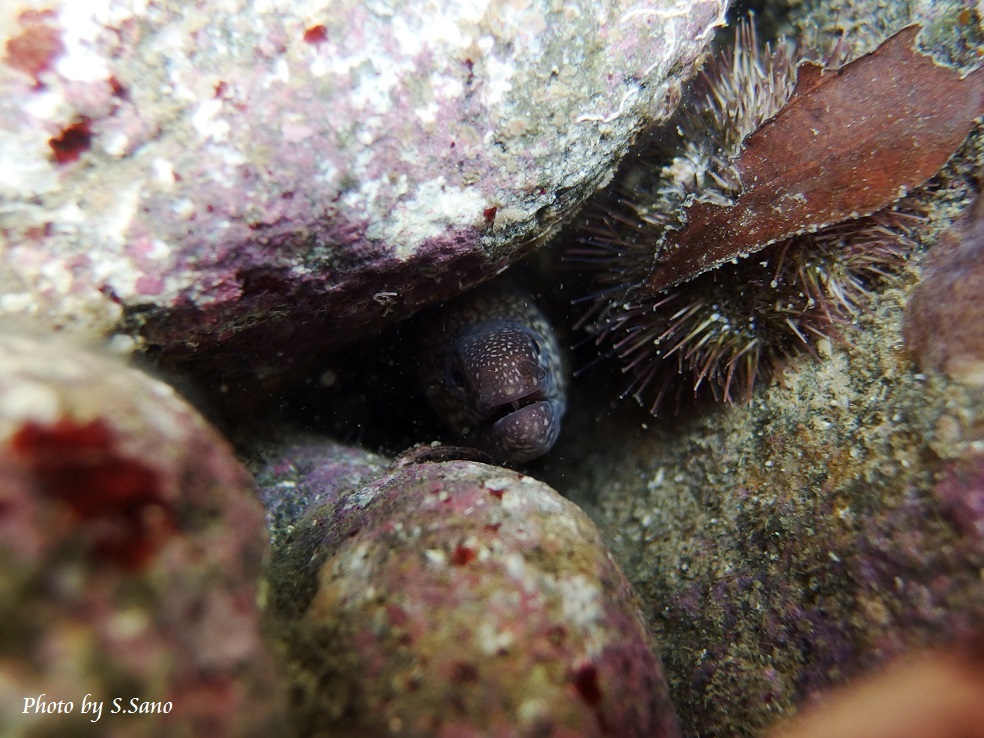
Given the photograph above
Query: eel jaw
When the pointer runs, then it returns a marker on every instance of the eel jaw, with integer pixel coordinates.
(525, 431)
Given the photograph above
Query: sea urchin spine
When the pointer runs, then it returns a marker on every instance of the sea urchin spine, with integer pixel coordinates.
(733, 326)
(683, 318)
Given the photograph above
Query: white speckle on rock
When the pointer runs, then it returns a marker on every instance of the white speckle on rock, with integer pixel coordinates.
(532, 498)
(319, 67)
(184, 207)
(26, 400)
(506, 217)
(159, 250)
(205, 122)
(57, 275)
(443, 26)
(498, 484)
(436, 556)
(48, 106)
(128, 625)
(427, 113)
(116, 144)
(376, 83)
(280, 72)
(121, 212)
(232, 157)
(79, 63)
(533, 711)
(499, 81)
(437, 205)
(524, 575)
(164, 171)
(447, 88)
(580, 600)
(121, 344)
(17, 302)
(354, 562)
(492, 640)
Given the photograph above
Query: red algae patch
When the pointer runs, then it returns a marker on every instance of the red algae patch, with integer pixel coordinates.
(36, 47)
(72, 142)
(316, 35)
(79, 464)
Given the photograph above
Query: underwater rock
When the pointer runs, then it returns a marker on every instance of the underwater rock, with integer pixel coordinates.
(935, 694)
(458, 598)
(227, 176)
(799, 543)
(131, 547)
(960, 489)
(944, 320)
(310, 472)
(816, 535)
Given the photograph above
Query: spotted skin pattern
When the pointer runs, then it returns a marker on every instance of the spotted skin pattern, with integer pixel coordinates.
(494, 373)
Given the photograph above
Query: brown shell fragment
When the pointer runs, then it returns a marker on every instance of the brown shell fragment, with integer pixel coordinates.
(848, 143)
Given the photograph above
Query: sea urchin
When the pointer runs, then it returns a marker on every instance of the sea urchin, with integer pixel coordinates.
(733, 326)
(675, 301)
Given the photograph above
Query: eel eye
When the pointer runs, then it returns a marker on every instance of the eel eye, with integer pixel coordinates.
(536, 347)
(456, 377)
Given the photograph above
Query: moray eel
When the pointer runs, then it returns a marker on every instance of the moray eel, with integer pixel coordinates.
(494, 373)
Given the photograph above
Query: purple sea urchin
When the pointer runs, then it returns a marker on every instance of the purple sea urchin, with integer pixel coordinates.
(716, 189)
(733, 326)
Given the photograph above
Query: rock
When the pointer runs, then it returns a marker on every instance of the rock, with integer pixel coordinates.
(944, 320)
(130, 550)
(960, 491)
(316, 472)
(221, 177)
(457, 598)
(799, 543)
(935, 693)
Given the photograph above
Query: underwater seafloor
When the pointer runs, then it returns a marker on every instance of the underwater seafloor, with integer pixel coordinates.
(793, 544)
(789, 545)
(826, 528)
(777, 549)
(812, 536)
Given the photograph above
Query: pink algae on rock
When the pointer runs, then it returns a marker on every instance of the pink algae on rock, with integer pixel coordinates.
(961, 491)
(305, 174)
(38, 44)
(461, 599)
(944, 320)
